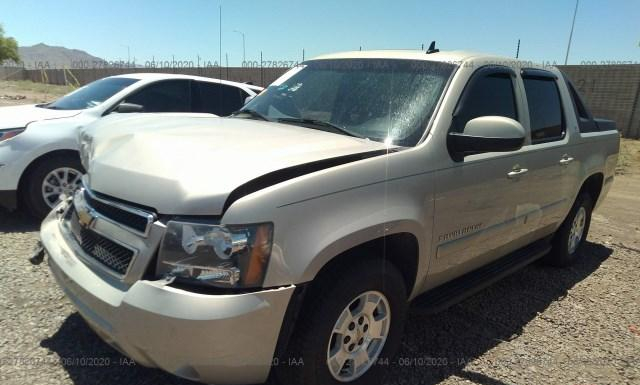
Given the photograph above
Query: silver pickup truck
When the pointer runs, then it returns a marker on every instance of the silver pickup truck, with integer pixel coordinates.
(288, 239)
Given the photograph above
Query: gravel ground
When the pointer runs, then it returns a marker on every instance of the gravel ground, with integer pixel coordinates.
(539, 326)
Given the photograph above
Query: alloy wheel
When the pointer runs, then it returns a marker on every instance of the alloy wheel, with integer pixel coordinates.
(358, 336)
(577, 229)
(63, 180)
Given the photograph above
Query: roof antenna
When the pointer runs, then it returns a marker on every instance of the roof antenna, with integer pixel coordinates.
(432, 48)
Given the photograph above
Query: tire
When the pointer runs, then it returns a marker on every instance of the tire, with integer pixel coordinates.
(314, 340)
(34, 190)
(567, 243)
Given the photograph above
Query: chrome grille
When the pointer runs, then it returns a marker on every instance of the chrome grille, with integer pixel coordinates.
(124, 215)
(108, 234)
(103, 250)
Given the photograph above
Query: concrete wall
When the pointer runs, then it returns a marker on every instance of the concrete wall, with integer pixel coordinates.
(611, 91)
(12, 73)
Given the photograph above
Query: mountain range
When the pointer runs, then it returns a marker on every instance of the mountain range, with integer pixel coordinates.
(45, 56)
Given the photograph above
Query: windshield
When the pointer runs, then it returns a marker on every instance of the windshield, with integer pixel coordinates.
(91, 95)
(387, 100)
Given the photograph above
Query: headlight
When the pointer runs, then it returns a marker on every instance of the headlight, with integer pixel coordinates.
(7, 133)
(216, 255)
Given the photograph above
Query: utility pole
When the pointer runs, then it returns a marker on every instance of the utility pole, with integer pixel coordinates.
(220, 48)
(573, 23)
(244, 58)
(128, 53)
(518, 49)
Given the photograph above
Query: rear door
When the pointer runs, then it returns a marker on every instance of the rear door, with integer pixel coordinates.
(218, 99)
(553, 168)
(164, 96)
(477, 198)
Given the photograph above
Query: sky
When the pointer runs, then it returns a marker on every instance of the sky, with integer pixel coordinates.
(188, 30)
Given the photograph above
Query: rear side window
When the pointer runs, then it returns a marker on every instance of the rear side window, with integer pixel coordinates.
(545, 109)
(581, 110)
(486, 95)
(219, 99)
(164, 96)
(585, 120)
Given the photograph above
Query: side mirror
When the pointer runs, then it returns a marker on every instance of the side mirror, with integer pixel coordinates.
(249, 98)
(124, 108)
(486, 134)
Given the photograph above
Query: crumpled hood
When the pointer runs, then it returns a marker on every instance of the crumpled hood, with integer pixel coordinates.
(20, 116)
(190, 165)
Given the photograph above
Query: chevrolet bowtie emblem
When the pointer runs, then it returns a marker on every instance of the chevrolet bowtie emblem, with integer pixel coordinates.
(85, 217)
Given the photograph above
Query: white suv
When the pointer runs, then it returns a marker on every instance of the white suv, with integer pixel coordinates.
(38, 143)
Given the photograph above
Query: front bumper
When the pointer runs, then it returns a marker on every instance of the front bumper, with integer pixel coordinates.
(12, 164)
(209, 338)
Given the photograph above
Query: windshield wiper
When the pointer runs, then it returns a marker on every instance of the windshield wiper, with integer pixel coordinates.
(252, 113)
(46, 105)
(320, 123)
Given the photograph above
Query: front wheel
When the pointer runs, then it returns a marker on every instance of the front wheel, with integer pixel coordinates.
(49, 179)
(350, 327)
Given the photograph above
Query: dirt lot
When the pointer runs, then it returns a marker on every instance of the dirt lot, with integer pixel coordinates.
(27, 92)
(542, 325)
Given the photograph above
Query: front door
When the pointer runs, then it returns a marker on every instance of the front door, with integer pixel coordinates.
(479, 197)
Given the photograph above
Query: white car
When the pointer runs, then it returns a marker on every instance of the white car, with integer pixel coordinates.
(38, 143)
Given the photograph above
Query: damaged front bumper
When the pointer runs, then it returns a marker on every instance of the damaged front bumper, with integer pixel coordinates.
(227, 338)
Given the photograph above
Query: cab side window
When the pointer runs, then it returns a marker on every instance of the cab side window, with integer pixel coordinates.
(581, 110)
(164, 96)
(545, 108)
(489, 93)
(585, 120)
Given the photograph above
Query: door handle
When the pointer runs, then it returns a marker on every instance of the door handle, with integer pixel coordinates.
(517, 172)
(565, 160)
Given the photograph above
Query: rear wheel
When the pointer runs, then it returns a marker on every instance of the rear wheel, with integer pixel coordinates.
(350, 327)
(572, 234)
(49, 178)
